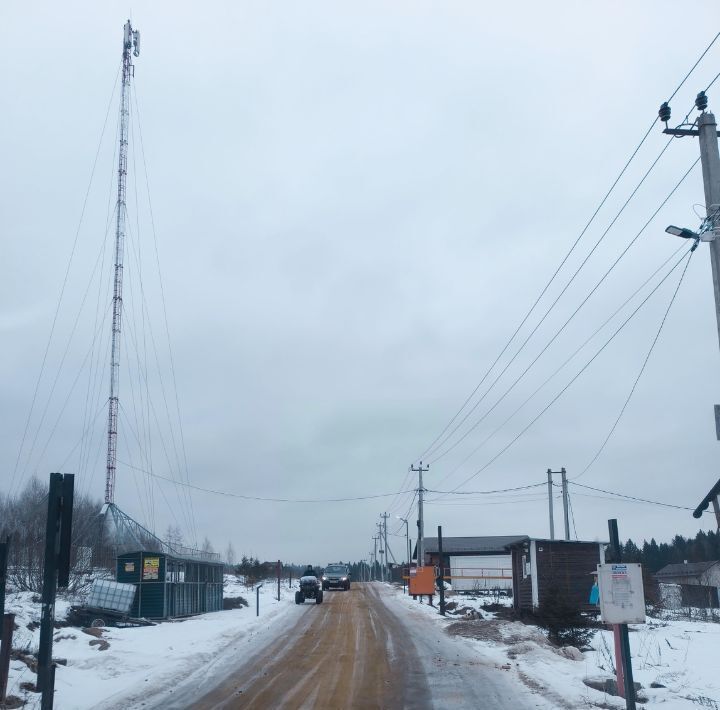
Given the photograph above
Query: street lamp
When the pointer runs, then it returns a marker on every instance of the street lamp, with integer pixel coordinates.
(682, 232)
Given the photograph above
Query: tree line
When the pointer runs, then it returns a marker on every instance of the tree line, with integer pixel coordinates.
(704, 547)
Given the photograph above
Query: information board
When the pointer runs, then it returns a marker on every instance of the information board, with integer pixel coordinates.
(622, 598)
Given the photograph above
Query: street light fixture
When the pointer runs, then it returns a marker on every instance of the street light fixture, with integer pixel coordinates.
(683, 232)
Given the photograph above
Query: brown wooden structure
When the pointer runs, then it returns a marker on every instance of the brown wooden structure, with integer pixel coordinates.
(545, 567)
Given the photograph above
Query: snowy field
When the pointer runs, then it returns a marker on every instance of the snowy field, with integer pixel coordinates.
(134, 667)
(680, 655)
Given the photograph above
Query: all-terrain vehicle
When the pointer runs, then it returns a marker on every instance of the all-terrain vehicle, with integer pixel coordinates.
(336, 576)
(309, 589)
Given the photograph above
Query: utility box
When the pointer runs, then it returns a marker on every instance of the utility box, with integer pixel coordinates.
(422, 580)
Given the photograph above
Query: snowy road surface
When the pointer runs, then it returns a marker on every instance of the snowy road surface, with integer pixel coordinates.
(360, 649)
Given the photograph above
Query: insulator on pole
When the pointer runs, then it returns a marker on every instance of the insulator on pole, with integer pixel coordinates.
(664, 112)
(701, 101)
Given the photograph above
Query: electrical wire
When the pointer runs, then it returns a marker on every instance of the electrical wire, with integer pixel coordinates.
(569, 359)
(554, 303)
(259, 498)
(631, 498)
(569, 384)
(432, 445)
(640, 373)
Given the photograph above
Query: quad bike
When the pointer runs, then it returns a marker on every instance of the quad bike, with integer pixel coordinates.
(309, 589)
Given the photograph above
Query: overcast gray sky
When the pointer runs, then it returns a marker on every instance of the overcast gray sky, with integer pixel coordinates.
(355, 204)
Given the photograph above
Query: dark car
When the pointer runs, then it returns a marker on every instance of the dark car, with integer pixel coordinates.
(336, 576)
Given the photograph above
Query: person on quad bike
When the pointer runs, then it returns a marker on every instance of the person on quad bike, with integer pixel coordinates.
(309, 572)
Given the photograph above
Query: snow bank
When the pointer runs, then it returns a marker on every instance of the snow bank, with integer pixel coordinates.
(129, 667)
(679, 655)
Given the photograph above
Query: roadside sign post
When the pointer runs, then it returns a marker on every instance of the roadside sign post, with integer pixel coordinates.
(257, 599)
(622, 602)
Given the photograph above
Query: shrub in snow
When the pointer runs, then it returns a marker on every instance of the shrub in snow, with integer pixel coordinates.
(565, 624)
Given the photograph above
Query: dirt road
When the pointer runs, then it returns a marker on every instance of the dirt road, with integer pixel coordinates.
(353, 652)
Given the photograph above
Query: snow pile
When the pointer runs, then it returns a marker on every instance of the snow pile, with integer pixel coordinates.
(130, 667)
(674, 660)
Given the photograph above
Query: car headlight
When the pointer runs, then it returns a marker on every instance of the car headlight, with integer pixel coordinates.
(324, 578)
(344, 579)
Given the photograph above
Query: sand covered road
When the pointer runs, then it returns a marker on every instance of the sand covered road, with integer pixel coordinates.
(355, 651)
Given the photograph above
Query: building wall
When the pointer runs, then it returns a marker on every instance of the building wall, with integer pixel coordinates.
(562, 568)
(522, 583)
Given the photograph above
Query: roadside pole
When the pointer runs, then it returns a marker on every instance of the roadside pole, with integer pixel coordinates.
(387, 565)
(56, 573)
(279, 572)
(563, 474)
(257, 599)
(710, 160)
(550, 505)
(441, 576)
(622, 641)
(7, 622)
(6, 632)
(421, 520)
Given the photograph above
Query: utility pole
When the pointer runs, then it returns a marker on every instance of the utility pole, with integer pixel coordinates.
(383, 552)
(550, 504)
(374, 567)
(563, 474)
(387, 566)
(710, 160)
(421, 522)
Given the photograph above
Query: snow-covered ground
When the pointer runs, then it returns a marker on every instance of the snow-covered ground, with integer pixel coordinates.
(143, 667)
(678, 654)
(134, 667)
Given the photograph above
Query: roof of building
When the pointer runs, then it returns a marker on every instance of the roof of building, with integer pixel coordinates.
(469, 545)
(686, 569)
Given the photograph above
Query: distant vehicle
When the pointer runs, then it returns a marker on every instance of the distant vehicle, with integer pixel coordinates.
(336, 576)
(309, 589)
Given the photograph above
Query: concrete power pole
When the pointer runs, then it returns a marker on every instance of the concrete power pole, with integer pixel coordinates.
(710, 160)
(385, 545)
(374, 567)
(550, 505)
(421, 522)
(563, 473)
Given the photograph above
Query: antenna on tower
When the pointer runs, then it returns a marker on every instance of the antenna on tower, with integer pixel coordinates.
(131, 41)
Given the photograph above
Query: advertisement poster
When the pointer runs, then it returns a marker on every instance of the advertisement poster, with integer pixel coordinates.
(151, 567)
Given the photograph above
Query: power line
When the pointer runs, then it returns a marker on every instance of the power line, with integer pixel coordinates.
(569, 359)
(640, 373)
(589, 295)
(228, 494)
(432, 447)
(567, 386)
(633, 498)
